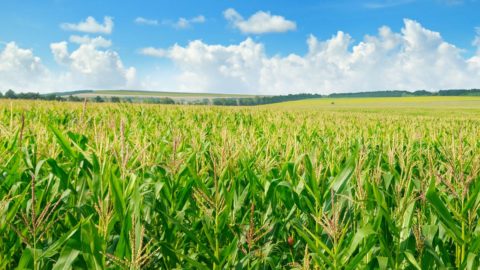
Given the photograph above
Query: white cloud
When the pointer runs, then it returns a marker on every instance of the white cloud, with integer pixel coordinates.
(90, 68)
(21, 69)
(183, 23)
(415, 58)
(96, 42)
(259, 23)
(215, 67)
(87, 67)
(90, 25)
(150, 51)
(198, 19)
(60, 52)
(141, 20)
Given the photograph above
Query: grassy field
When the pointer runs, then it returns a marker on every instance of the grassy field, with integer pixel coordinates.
(433, 102)
(357, 184)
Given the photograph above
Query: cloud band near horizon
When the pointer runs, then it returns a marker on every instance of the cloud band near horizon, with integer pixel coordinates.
(414, 58)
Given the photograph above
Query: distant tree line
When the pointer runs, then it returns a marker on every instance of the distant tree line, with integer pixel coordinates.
(261, 100)
(401, 93)
(459, 92)
(231, 101)
(10, 94)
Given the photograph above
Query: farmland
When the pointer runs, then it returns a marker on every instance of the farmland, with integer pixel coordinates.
(378, 183)
(154, 94)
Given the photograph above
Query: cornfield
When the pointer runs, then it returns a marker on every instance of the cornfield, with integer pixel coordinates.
(132, 186)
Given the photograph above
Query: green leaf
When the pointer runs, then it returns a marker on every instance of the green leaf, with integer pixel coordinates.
(341, 179)
(27, 259)
(407, 221)
(53, 248)
(66, 258)
(359, 236)
(355, 261)
(64, 143)
(412, 260)
(382, 262)
(444, 214)
(316, 245)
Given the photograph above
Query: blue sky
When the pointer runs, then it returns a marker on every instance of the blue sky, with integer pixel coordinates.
(36, 25)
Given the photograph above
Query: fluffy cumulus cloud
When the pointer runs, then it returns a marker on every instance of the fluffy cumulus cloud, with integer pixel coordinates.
(92, 65)
(259, 23)
(96, 42)
(415, 58)
(88, 67)
(21, 69)
(215, 67)
(90, 25)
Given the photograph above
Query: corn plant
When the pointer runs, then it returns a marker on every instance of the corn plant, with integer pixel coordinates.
(136, 186)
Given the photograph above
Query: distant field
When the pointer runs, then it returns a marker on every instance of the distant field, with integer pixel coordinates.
(156, 94)
(440, 102)
(310, 103)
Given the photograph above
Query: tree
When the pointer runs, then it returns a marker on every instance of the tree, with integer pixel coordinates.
(98, 99)
(10, 94)
(115, 99)
(167, 100)
(1, 95)
(51, 96)
(74, 98)
(28, 95)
